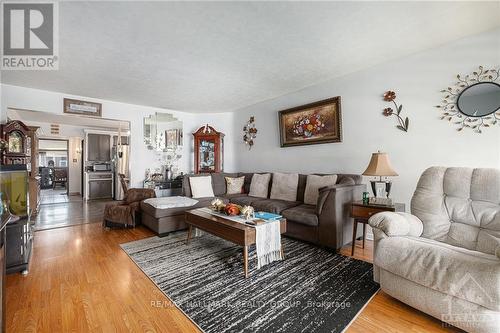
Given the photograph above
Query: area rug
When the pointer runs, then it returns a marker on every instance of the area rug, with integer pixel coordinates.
(312, 290)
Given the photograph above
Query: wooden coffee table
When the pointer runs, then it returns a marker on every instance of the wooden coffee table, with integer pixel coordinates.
(237, 233)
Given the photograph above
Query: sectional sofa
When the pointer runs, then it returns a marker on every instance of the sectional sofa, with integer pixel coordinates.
(327, 223)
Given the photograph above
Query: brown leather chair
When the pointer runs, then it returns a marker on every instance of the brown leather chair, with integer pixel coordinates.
(126, 212)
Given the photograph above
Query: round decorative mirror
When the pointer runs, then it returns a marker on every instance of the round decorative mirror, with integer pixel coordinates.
(473, 101)
(480, 99)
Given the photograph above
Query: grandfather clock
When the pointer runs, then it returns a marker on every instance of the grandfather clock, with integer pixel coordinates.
(208, 150)
(18, 148)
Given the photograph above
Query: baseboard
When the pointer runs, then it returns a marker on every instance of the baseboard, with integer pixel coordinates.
(74, 194)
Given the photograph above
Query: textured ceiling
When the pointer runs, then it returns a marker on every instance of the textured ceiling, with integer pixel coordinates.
(222, 56)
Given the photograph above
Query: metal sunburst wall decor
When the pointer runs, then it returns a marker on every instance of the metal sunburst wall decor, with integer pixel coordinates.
(249, 132)
(473, 101)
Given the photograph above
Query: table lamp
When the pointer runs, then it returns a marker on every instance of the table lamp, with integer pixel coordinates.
(380, 166)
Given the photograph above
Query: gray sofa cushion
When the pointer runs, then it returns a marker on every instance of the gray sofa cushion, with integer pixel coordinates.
(303, 214)
(259, 187)
(284, 186)
(273, 205)
(243, 200)
(313, 184)
(343, 179)
(235, 195)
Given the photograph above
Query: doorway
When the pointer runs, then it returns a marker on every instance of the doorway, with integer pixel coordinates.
(53, 170)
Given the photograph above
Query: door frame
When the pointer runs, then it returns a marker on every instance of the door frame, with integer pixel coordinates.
(46, 138)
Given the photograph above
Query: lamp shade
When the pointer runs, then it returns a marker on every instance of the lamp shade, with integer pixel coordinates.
(380, 166)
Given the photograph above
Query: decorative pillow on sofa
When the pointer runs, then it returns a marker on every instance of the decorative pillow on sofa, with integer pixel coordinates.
(313, 184)
(259, 187)
(234, 185)
(201, 187)
(285, 186)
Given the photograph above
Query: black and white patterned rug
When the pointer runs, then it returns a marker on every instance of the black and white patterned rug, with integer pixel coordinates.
(312, 290)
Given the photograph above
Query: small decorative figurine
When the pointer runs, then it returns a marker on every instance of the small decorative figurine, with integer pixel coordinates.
(248, 212)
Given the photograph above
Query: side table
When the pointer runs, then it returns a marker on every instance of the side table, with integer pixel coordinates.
(362, 212)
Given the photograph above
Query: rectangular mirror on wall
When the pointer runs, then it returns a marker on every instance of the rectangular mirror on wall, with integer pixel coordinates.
(162, 132)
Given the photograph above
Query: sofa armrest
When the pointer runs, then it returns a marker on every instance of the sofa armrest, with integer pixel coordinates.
(333, 210)
(397, 224)
(328, 192)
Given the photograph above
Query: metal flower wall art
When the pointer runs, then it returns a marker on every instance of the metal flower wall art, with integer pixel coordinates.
(249, 132)
(473, 101)
(390, 96)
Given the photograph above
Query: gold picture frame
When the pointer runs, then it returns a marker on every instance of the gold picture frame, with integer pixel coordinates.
(314, 123)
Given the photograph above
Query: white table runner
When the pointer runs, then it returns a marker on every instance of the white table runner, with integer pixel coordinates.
(267, 237)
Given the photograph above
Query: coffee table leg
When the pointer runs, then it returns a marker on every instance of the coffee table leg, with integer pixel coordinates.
(282, 253)
(245, 260)
(190, 229)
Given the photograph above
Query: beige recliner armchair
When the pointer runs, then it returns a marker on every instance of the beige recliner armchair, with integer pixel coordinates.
(443, 259)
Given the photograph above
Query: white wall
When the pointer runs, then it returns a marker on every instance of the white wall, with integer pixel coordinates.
(141, 158)
(417, 81)
(75, 165)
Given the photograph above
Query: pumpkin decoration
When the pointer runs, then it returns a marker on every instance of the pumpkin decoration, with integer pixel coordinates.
(232, 210)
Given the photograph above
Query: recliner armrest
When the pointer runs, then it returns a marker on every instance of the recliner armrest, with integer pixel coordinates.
(397, 224)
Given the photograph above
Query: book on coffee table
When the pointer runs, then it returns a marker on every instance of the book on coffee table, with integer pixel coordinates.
(267, 216)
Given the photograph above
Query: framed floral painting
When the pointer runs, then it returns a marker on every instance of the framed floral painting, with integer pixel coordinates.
(318, 122)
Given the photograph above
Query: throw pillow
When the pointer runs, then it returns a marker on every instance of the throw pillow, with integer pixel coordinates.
(285, 186)
(234, 185)
(259, 187)
(201, 187)
(313, 184)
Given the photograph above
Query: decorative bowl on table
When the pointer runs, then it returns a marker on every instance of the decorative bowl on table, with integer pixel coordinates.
(217, 205)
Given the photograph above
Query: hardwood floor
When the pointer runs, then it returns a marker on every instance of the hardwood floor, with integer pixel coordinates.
(81, 281)
(70, 213)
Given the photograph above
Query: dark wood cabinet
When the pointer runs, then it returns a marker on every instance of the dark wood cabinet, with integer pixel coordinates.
(100, 188)
(99, 147)
(208, 150)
